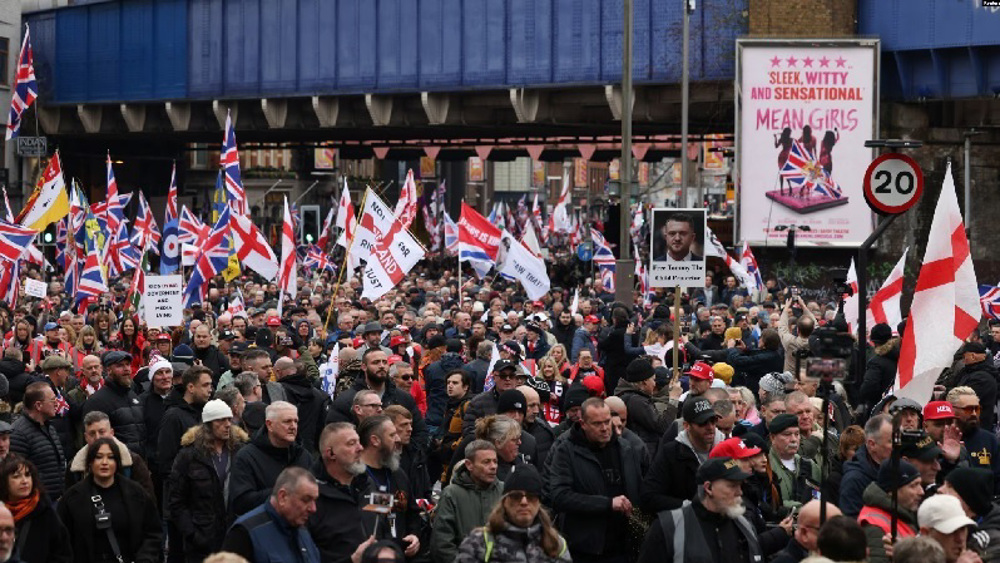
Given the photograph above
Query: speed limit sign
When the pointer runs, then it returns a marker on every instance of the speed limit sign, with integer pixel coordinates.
(893, 183)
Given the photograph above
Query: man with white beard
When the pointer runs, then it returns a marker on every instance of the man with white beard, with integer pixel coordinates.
(381, 455)
(716, 512)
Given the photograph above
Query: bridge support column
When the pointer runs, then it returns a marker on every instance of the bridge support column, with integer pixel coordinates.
(327, 109)
(179, 114)
(380, 108)
(275, 112)
(435, 106)
(527, 105)
(90, 116)
(49, 118)
(220, 109)
(613, 94)
(134, 116)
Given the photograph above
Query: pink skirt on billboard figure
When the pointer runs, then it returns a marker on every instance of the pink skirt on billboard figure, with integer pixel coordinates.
(806, 182)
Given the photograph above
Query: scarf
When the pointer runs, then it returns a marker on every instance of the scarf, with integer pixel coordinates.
(90, 389)
(25, 506)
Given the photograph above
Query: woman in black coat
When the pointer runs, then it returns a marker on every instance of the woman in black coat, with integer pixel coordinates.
(40, 536)
(133, 517)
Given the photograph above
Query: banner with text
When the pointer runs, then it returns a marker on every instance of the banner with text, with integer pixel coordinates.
(162, 301)
(804, 112)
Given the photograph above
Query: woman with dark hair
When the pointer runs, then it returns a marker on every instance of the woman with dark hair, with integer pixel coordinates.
(131, 340)
(384, 551)
(127, 513)
(518, 529)
(40, 536)
(103, 326)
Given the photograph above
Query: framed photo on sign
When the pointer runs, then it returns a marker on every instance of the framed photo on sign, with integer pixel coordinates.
(677, 248)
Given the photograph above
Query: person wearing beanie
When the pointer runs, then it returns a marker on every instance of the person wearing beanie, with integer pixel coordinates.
(199, 481)
(876, 514)
(973, 487)
(514, 404)
(880, 372)
(724, 372)
(572, 402)
(979, 374)
(636, 388)
(517, 529)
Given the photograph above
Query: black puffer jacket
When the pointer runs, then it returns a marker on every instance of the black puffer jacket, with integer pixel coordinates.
(880, 372)
(196, 501)
(643, 418)
(313, 405)
(982, 377)
(17, 377)
(564, 333)
(483, 404)
(123, 408)
(178, 418)
(256, 468)
(435, 376)
(41, 445)
(214, 360)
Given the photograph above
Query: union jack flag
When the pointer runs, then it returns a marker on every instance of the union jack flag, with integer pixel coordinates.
(213, 259)
(25, 87)
(91, 282)
(313, 257)
(14, 240)
(749, 262)
(603, 255)
(171, 212)
(190, 229)
(802, 170)
(450, 235)
(145, 231)
(989, 298)
(9, 283)
(231, 165)
(61, 242)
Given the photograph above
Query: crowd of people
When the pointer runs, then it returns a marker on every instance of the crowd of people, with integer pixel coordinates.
(456, 420)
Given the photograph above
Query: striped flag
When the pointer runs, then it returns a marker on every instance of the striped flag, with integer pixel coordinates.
(989, 299)
(145, 231)
(170, 213)
(212, 259)
(25, 87)
(14, 240)
(231, 164)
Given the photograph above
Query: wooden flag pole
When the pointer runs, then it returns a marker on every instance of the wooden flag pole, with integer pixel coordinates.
(343, 267)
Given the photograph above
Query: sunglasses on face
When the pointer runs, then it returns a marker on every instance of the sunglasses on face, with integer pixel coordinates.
(971, 409)
(406, 377)
(507, 376)
(518, 496)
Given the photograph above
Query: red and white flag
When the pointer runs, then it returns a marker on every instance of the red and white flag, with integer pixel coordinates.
(252, 249)
(945, 307)
(393, 255)
(560, 219)
(883, 307)
(287, 274)
(406, 207)
(852, 301)
(324, 236)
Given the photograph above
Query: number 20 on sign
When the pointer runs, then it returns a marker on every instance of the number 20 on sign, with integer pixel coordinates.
(893, 183)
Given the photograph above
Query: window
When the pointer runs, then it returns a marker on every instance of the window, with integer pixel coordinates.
(4, 61)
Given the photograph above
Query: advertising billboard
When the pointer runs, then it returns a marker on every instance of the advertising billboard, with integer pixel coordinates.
(804, 110)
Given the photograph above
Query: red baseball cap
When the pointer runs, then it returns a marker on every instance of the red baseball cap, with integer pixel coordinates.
(592, 319)
(539, 304)
(357, 342)
(594, 385)
(273, 321)
(734, 448)
(938, 410)
(395, 358)
(396, 341)
(701, 370)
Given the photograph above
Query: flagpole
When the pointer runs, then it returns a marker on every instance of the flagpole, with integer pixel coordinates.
(343, 266)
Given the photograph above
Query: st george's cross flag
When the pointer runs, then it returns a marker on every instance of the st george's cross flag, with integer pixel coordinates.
(406, 207)
(394, 253)
(884, 306)
(288, 282)
(252, 249)
(945, 308)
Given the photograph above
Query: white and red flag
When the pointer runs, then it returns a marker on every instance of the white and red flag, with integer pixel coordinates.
(395, 252)
(945, 307)
(324, 236)
(883, 307)
(851, 302)
(559, 221)
(252, 248)
(406, 207)
(478, 240)
(287, 273)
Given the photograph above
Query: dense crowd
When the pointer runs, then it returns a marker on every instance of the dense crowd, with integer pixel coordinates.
(456, 420)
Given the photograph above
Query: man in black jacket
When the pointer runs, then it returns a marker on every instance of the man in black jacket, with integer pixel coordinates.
(435, 381)
(980, 374)
(671, 478)
(36, 439)
(311, 402)
(564, 328)
(880, 371)
(477, 367)
(196, 389)
(272, 449)
(117, 400)
(15, 373)
(67, 420)
(535, 424)
(636, 390)
(592, 481)
(208, 353)
(506, 376)
(376, 366)
(339, 526)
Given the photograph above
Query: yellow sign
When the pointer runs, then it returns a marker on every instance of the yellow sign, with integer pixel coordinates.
(325, 158)
(476, 173)
(427, 167)
(579, 173)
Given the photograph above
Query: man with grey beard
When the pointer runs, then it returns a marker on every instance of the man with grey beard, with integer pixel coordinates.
(381, 455)
(717, 512)
(338, 526)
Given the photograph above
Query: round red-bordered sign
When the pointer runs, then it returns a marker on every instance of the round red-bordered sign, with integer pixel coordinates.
(893, 183)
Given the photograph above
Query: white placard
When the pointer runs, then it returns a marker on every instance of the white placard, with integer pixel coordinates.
(162, 301)
(804, 112)
(35, 288)
(677, 248)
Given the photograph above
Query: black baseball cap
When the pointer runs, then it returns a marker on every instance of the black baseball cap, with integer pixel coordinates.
(717, 468)
(698, 411)
(921, 447)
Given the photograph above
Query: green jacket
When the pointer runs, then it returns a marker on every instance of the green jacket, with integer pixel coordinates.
(793, 488)
(463, 507)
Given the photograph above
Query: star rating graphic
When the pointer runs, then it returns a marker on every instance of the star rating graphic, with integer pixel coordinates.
(807, 62)
(791, 61)
(775, 61)
(824, 62)
(841, 61)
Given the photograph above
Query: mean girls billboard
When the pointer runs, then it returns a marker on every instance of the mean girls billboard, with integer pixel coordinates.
(804, 110)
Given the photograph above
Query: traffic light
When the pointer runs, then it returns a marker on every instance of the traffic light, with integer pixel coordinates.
(48, 236)
(309, 233)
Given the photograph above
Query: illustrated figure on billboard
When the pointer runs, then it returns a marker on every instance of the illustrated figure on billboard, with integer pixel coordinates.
(677, 235)
(809, 180)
